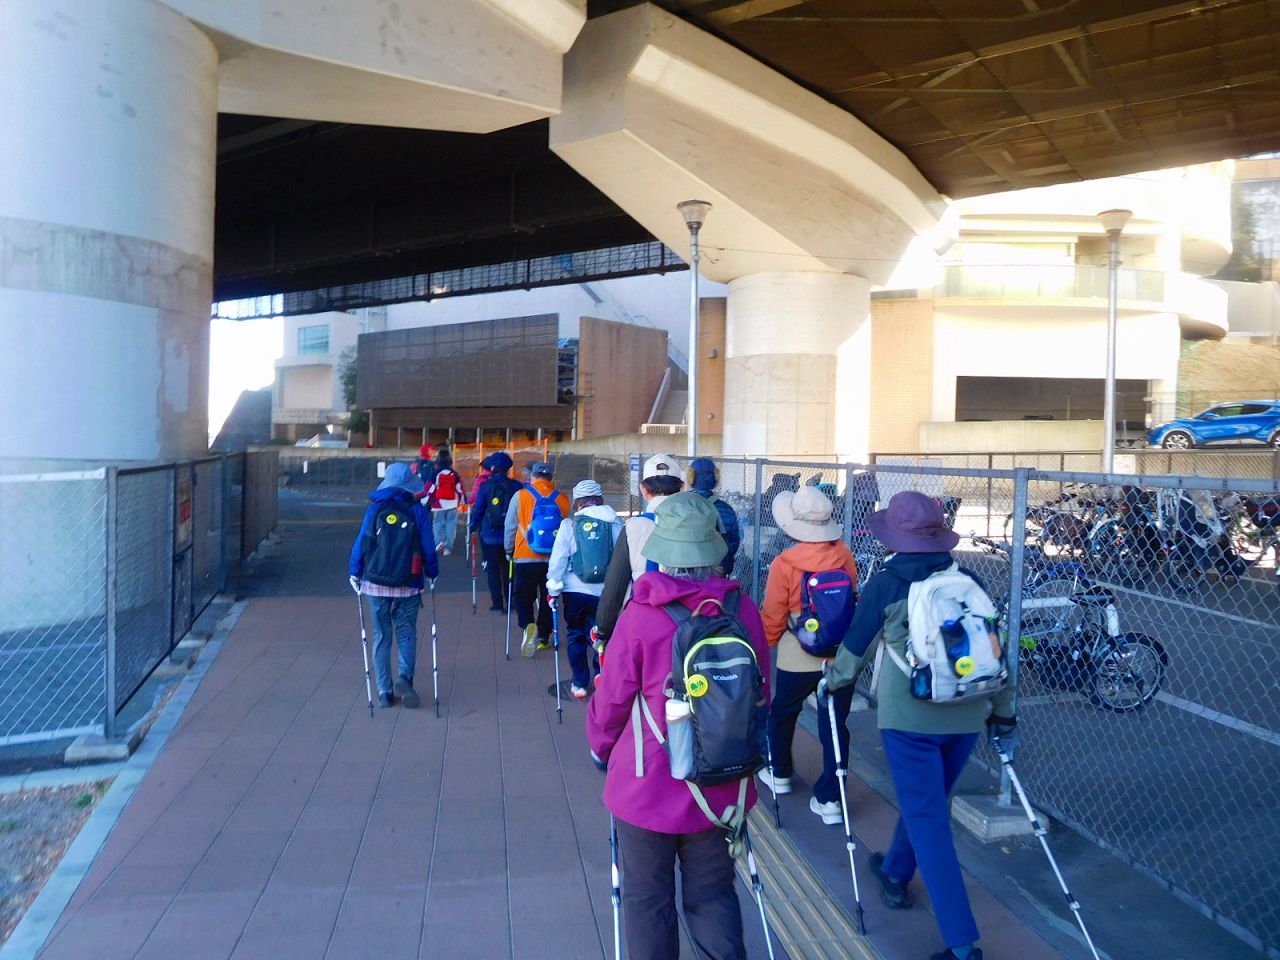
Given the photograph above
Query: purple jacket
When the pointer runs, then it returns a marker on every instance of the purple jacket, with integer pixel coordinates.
(638, 659)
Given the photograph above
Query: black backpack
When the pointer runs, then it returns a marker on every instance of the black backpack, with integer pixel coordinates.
(497, 496)
(391, 545)
(714, 668)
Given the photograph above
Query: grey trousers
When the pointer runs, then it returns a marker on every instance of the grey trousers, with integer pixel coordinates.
(709, 899)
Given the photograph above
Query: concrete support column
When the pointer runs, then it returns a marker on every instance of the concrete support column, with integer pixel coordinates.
(106, 229)
(797, 364)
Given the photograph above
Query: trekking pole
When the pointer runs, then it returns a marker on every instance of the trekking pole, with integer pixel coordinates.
(555, 651)
(842, 774)
(364, 649)
(435, 669)
(471, 552)
(1040, 833)
(510, 577)
(768, 742)
(757, 887)
(616, 895)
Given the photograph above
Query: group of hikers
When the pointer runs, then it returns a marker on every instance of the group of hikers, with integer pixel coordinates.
(689, 706)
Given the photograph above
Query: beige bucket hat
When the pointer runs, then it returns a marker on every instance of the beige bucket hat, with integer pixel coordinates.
(805, 515)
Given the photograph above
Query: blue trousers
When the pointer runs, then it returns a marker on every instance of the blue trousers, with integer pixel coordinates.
(577, 617)
(925, 767)
(398, 614)
(789, 693)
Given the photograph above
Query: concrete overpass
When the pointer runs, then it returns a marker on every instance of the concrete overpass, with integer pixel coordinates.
(828, 143)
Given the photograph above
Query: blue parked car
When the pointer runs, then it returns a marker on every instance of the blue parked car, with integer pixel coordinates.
(1225, 423)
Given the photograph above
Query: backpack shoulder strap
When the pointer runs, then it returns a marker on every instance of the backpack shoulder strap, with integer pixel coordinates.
(678, 612)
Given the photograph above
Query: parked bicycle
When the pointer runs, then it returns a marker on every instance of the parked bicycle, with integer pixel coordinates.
(1071, 637)
(1254, 528)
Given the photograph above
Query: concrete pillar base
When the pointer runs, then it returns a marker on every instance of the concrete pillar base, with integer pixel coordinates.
(796, 362)
(987, 819)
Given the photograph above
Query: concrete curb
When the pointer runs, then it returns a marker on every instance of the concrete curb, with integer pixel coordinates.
(66, 777)
(29, 937)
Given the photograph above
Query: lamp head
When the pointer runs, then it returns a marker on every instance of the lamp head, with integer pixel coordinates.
(1113, 221)
(694, 212)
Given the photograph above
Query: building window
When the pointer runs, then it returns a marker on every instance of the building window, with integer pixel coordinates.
(313, 340)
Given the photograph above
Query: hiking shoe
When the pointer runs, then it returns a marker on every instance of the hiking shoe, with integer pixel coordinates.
(579, 693)
(829, 812)
(544, 643)
(948, 954)
(385, 700)
(779, 785)
(529, 645)
(408, 696)
(497, 609)
(893, 893)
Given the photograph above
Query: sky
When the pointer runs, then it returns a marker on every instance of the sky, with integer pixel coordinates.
(241, 357)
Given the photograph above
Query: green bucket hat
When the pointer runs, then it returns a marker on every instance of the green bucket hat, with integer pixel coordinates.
(686, 534)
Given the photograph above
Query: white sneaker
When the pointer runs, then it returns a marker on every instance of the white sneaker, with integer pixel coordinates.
(579, 693)
(448, 552)
(829, 812)
(779, 785)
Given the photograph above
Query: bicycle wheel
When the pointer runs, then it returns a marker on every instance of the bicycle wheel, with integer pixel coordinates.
(1247, 538)
(1111, 551)
(1126, 672)
(1034, 529)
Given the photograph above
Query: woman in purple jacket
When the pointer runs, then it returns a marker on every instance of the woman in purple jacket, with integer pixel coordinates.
(658, 818)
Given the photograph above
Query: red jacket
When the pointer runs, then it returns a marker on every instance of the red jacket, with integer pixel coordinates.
(639, 661)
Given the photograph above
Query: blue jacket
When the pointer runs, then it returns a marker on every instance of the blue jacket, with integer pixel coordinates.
(728, 527)
(492, 537)
(421, 516)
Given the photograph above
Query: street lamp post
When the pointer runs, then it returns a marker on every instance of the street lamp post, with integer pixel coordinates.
(695, 214)
(1113, 222)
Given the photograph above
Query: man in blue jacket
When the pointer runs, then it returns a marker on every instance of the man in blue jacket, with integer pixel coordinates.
(488, 518)
(393, 550)
(703, 478)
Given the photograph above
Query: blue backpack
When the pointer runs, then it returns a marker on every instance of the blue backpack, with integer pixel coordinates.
(827, 602)
(545, 522)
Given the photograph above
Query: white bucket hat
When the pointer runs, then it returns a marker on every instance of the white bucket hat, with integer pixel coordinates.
(805, 515)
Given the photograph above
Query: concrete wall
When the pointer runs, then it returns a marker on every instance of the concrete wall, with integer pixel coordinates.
(1253, 309)
(902, 351)
(621, 444)
(619, 370)
(987, 340)
(307, 387)
(1013, 435)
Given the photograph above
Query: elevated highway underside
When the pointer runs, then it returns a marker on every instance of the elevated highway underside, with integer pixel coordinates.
(981, 97)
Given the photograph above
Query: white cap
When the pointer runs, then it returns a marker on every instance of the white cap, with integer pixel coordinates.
(660, 465)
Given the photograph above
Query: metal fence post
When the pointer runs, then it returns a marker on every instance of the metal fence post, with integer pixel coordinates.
(224, 526)
(1017, 565)
(109, 655)
(847, 530)
(755, 533)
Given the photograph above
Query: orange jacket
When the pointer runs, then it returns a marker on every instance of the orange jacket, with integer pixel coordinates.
(524, 516)
(782, 592)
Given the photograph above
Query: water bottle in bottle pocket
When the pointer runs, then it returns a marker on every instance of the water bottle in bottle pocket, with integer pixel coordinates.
(680, 738)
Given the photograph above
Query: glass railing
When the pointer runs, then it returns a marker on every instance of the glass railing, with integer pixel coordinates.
(1047, 282)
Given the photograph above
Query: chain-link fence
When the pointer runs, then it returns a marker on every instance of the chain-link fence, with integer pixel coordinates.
(53, 561)
(102, 571)
(1147, 610)
(1258, 464)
